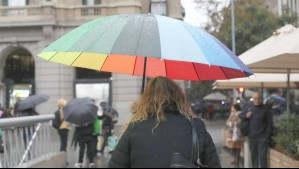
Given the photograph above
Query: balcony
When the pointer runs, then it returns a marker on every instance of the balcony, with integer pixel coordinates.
(52, 14)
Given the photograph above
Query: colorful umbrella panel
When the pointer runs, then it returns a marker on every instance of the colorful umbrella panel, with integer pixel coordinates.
(172, 49)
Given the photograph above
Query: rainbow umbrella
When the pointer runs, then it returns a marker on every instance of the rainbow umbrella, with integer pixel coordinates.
(146, 45)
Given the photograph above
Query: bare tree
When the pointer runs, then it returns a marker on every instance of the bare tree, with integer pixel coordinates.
(213, 11)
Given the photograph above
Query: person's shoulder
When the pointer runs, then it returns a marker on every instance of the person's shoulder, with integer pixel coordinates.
(198, 122)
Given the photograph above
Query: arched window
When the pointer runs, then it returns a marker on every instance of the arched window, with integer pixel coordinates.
(19, 75)
(19, 66)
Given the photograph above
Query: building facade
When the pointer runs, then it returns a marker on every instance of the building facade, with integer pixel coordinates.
(28, 26)
(278, 6)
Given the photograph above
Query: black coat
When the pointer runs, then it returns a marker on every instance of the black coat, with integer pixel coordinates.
(261, 122)
(107, 124)
(141, 146)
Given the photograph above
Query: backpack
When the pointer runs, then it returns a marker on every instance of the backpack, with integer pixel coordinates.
(56, 122)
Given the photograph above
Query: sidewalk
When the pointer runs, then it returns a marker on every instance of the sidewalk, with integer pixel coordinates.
(225, 156)
(213, 127)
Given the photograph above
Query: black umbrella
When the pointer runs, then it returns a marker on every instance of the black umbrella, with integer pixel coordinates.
(80, 111)
(32, 101)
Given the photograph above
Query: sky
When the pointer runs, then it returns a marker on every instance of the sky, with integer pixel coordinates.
(195, 16)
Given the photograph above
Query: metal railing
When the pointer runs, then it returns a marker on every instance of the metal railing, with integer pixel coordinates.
(25, 139)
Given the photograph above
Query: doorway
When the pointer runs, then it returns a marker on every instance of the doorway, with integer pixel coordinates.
(19, 75)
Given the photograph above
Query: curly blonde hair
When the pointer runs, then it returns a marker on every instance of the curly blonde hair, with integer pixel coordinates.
(160, 93)
(61, 103)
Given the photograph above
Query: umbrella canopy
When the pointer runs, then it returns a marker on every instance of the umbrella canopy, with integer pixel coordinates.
(277, 54)
(146, 45)
(217, 96)
(277, 98)
(32, 101)
(81, 111)
(266, 80)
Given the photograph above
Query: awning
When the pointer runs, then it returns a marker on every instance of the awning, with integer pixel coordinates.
(259, 80)
(217, 96)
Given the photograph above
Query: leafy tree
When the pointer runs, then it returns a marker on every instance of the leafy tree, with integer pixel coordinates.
(253, 24)
(212, 9)
(198, 90)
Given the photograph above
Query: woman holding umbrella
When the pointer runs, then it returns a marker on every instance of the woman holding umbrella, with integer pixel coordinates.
(160, 127)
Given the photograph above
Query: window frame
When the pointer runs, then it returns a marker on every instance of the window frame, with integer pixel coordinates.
(155, 4)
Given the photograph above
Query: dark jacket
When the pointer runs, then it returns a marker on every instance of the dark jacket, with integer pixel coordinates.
(107, 124)
(260, 124)
(83, 134)
(141, 146)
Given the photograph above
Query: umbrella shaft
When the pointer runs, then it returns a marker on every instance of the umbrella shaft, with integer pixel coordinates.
(143, 77)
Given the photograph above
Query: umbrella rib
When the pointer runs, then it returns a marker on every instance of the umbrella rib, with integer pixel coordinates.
(165, 67)
(224, 73)
(105, 61)
(53, 56)
(134, 65)
(76, 58)
(195, 71)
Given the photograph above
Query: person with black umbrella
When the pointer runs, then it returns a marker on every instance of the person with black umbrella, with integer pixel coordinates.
(82, 112)
(85, 138)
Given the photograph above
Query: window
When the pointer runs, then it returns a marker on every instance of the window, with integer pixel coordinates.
(4, 2)
(91, 2)
(15, 2)
(159, 7)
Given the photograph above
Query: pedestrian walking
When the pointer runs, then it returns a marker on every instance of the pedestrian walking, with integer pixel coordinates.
(161, 126)
(84, 137)
(236, 141)
(63, 126)
(107, 130)
(110, 111)
(260, 129)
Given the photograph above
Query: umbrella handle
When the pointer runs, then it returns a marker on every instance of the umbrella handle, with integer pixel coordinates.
(143, 77)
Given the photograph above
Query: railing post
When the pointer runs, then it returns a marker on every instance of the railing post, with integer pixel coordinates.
(247, 155)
